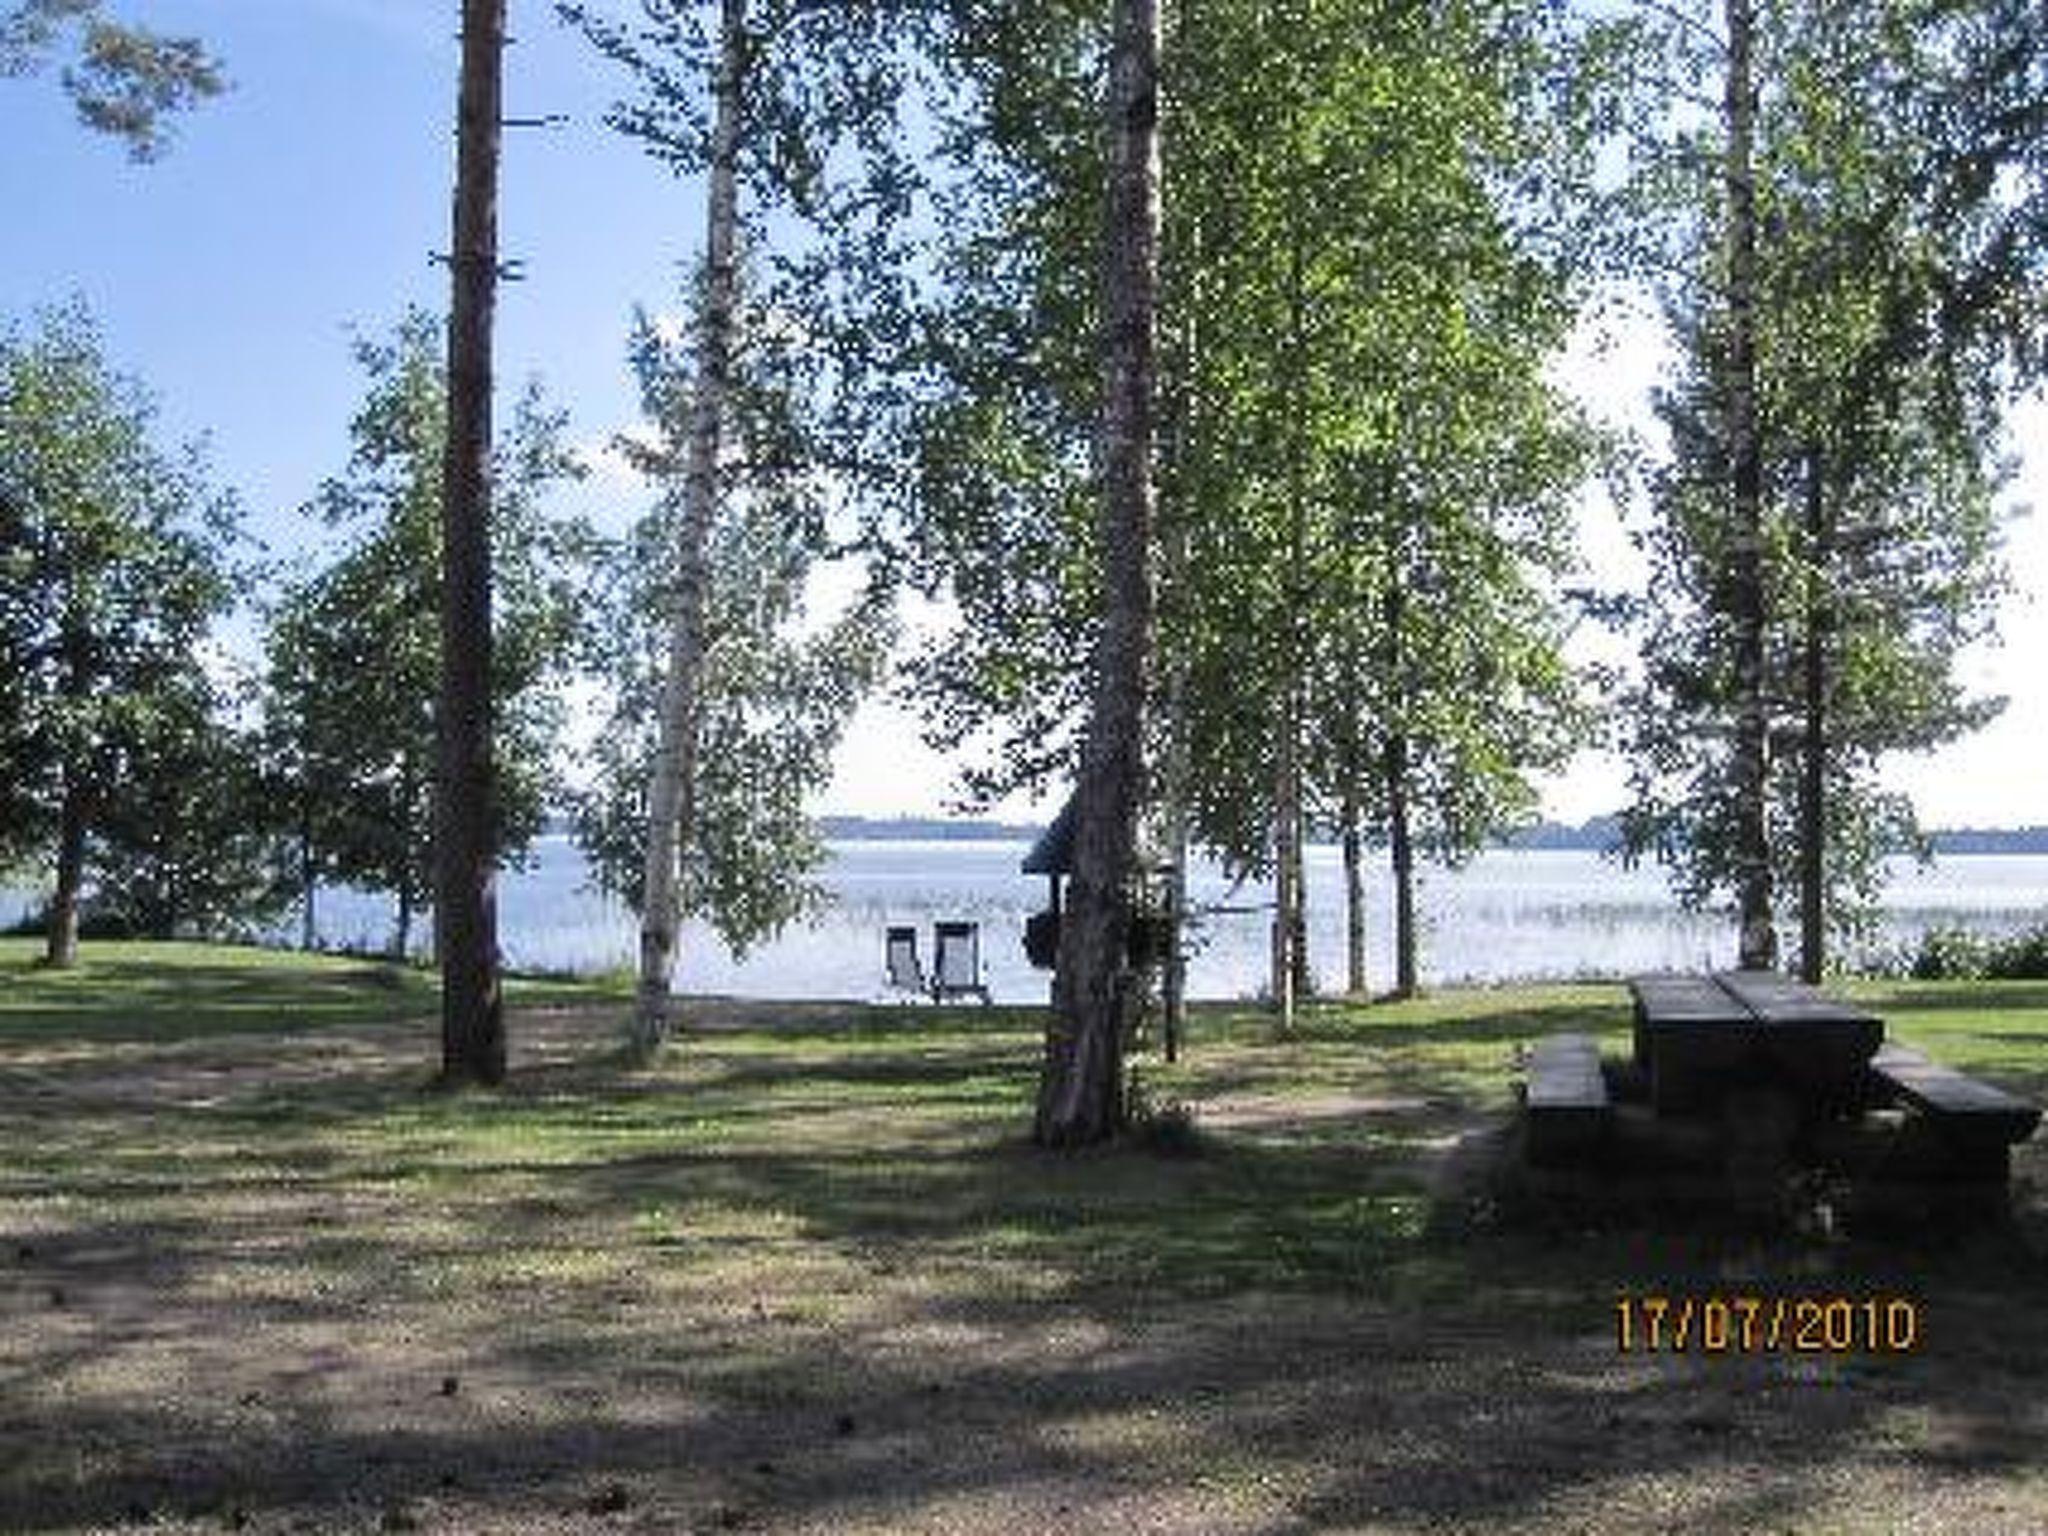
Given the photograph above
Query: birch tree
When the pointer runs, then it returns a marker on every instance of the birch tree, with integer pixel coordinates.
(756, 96)
(1319, 166)
(1081, 1084)
(1371, 376)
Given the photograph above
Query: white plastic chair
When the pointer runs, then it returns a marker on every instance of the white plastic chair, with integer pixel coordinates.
(900, 965)
(956, 962)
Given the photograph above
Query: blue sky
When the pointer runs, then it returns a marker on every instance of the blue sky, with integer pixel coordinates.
(306, 202)
(303, 205)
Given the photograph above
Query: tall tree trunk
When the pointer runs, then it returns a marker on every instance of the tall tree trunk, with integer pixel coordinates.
(1174, 977)
(1354, 891)
(1402, 847)
(1286, 867)
(671, 796)
(60, 943)
(407, 878)
(1081, 1090)
(1290, 962)
(1759, 944)
(60, 940)
(309, 926)
(1395, 767)
(173, 889)
(1303, 985)
(1180, 436)
(1813, 836)
(465, 855)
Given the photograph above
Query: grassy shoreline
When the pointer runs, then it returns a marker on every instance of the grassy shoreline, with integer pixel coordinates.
(805, 1274)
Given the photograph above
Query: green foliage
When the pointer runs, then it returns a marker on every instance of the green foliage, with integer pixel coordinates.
(997, 511)
(126, 79)
(1945, 954)
(113, 564)
(1356, 308)
(777, 687)
(184, 849)
(354, 649)
(1971, 89)
(1882, 469)
(1950, 954)
(1165, 1127)
(828, 96)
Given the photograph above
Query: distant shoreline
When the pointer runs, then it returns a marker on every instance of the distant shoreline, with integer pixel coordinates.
(1592, 836)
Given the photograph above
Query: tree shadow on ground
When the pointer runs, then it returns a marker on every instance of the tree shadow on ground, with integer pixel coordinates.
(655, 1300)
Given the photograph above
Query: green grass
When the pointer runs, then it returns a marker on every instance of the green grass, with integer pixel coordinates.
(160, 992)
(230, 1162)
(1997, 1028)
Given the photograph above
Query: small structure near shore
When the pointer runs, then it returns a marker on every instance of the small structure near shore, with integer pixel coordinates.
(1151, 933)
(1741, 1081)
(1052, 856)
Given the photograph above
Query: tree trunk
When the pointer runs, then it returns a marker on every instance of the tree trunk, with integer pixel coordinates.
(1174, 979)
(1401, 846)
(1395, 767)
(1174, 976)
(309, 926)
(1813, 837)
(1180, 436)
(1286, 869)
(1759, 944)
(173, 912)
(465, 855)
(1290, 960)
(1354, 895)
(60, 945)
(401, 937)
(60, 941)
(1297, 945)
(1081, 1090)
(406, 878)
(671, 796)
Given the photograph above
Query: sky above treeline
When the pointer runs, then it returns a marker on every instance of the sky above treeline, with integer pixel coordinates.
(302, 209)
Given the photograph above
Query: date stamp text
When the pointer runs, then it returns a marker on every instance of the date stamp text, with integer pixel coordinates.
(1752, 1325)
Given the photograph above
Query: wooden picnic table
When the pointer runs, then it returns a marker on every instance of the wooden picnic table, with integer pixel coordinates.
(1761, 1073)
(1700, 1038)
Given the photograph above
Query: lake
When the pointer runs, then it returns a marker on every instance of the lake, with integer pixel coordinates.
(1508, 915)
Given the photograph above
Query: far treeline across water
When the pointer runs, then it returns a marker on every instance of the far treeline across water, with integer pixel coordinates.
(1596, 834)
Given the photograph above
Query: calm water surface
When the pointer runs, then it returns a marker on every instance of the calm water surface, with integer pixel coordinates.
(1518, 914)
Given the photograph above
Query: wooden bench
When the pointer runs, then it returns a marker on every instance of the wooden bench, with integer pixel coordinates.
(1977, 1122)
(1566, 1097)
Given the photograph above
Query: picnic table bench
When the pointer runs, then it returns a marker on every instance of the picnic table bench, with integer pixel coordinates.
(1977, 1122)
(1772, 1073)
(1566, 1096)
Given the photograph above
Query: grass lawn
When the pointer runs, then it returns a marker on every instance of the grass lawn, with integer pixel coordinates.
(806, 1275)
